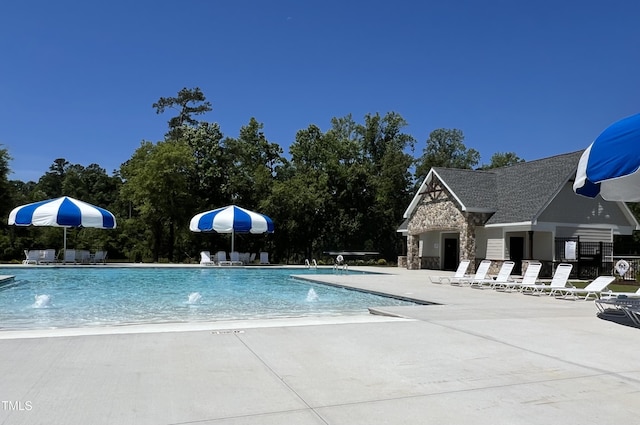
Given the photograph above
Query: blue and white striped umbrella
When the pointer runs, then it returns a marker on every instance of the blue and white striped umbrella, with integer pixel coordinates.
(62, 212)
(231, 219)
(610, 165)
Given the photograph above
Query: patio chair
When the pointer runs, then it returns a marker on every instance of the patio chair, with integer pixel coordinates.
(69, 256)
(32, 256)
(592, 289)
(221, 258)
(205, 258)
(47, 256)
(503, 277)
(530, 278)
(559, 281)
(83, 256)
(99, 257)
(234, 256)
(264, 258)
(480, 275)
(461, 272)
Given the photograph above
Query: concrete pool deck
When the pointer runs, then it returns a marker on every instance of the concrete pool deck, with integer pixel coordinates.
(478, 356)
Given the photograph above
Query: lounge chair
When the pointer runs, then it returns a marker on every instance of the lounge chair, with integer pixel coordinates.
(234, 256)
(205, 258)
(503, 277)
(592, 289)
(83, 256)
(47, 256)
(461, 273)
(69, 256)
(100, 257)
(559, 281)
(221, 258)
(530, 278)
(264, 258)
(32, 256)
(480, 275)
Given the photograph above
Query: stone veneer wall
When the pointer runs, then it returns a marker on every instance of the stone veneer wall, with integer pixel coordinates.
(442, 214)
(439, 215)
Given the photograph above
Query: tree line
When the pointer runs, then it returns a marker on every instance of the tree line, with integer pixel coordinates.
(341, 189)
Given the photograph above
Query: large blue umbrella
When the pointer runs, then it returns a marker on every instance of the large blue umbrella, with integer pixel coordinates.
(62, 212)
(610, 165)
(231, 219)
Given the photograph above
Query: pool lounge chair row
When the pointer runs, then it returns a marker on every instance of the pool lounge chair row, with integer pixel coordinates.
(70, 256)
(529, 284)
(235, 258)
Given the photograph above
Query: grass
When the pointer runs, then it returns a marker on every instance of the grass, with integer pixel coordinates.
(617, 286)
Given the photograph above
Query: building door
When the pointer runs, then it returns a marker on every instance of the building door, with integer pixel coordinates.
(516, 253)
(450, 254)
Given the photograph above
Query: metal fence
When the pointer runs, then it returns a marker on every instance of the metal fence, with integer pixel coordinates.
(589, 259)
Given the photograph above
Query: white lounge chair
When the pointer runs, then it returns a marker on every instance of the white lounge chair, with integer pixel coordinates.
(592, 289)
(530, 278)
(69, 256)
(32, 256)
(264, 258)
(559, 281)
(234, 256)
(480, 274)
(205, 258)
(503, 277)
(461, 273)
(47, 256)
(221, 258)
(100, 257)
(83, 256)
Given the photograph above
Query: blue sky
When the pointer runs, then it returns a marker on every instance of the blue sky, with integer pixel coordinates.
(78, 78)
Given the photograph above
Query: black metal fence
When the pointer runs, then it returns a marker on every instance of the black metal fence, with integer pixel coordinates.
(589, 259)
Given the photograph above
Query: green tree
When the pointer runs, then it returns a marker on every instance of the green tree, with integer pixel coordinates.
(252, 161)
(156, 183)
(188, 102)
(500, 159)
(209, 172)
(6, 192)
(50, 184)
(389, 180)
(445, 148)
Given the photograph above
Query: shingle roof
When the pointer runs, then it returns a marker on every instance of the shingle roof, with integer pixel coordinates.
(517, 193)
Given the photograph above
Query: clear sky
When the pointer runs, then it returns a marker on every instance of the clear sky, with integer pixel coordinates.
(538, 78)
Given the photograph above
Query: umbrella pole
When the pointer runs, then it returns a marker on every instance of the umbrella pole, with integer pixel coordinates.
(65, 240)
(233, 236)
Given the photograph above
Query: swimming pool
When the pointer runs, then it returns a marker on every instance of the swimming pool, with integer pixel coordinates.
(46, 298)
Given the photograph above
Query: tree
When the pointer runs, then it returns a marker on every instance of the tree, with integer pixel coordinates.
(189, 102)
(500, 159)
(252, 161)
(50, 185)
(389, 180)
(209, 169)
(445, 148)
(5, 186)
(156, 183)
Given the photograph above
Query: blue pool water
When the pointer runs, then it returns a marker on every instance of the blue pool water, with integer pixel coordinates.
(44, 298)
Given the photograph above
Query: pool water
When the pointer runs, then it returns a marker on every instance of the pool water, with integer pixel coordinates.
(44, 298)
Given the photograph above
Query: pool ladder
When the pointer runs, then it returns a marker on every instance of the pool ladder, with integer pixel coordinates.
(312, 264)
(341, 267)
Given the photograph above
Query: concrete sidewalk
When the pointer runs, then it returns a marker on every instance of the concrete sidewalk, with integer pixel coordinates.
(479, 357)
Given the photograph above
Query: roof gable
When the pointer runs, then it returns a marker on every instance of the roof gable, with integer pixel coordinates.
(517, 193)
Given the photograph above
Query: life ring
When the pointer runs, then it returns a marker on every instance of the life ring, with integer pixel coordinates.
(622, 267)
(339, 259)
